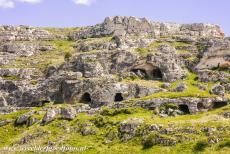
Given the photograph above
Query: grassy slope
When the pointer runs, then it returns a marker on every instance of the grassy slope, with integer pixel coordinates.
(97, 143)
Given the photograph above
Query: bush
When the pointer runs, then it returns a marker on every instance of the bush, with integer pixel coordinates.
(100, 121)
(225, 143)
(114, 112)
(67, 55)
(149, 141)
(200, 146)
(169, 106)
(112, 134)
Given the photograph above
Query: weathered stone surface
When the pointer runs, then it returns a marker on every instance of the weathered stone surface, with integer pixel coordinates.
(122, 26)
(24, 49)
(110, 74)
(5, 122)
(23, 119)
(88, 131)
(23, 33)
(218, 90)
(128, 129)
(20, 73)
(213, 76)
(68, 113)
(216, 56)
(168, 64)
(193, 104)
(180, 88)
(227, 115)
(50, 115)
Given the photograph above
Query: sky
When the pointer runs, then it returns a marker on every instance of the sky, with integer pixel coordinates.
(75, 13)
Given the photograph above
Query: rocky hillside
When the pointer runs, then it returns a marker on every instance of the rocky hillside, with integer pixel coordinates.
(127, 85)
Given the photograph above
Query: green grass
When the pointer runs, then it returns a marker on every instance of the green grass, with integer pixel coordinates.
(45, 59)
(56, 132)
(61, 31)
(152, 48)
(191, 91)
(12, 77)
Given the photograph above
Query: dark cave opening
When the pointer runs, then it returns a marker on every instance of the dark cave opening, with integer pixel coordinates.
(118, 97)
(184, 108)
(141, 73)
(86, 98)
(219, 104)
(200, 106)
(157, 75)
(39, 103)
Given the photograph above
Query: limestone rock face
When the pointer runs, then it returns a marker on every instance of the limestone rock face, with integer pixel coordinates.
(218, 90)
(168, 63)
(24, 49)
(216, 56)
(122, 26)
(102, 63)
(212, 76)
(128, 129)
(120, 59)
(23, 33)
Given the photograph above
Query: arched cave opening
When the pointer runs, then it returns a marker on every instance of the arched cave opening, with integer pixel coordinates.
(157, 74)
(200, 106)
(141, 73)
(219, 104)
(86, 98)
(184, 108)
(39, 103)
(118, 97)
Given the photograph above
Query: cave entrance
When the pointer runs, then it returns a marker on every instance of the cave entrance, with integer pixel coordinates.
(118, 97)
(141, 73)
(184, 108)
(39, 103)
(157, 75)
(219, 104)
(86, 98)
(200, 106)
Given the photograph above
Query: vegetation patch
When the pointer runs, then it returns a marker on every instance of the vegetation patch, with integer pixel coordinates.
(200, 146)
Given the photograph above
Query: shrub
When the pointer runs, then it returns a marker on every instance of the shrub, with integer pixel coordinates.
(225, 143)
(67, 55)
(200, 146)
(112, 134)
(169, 106)
(114, 112)
(149, 141)
(100, 121)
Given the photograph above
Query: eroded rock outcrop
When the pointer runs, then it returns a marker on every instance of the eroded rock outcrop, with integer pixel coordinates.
(140, 26)
(121, 59)
(23, 33)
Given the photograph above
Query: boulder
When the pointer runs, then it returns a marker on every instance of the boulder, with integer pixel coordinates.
(180, 88)
(50, 115)
(68, 113)
(128, 128)
(23, 118)
(218, 90)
